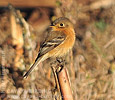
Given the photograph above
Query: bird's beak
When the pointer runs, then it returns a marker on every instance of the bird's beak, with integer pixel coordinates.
(53, 27)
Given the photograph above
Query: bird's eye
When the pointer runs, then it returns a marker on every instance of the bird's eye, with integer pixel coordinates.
(61, 25)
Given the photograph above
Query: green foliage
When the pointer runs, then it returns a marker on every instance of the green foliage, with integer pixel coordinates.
(58, 3)
(101, 25)
(112, 68)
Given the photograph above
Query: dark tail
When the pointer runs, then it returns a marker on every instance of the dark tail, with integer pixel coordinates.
(32, 67)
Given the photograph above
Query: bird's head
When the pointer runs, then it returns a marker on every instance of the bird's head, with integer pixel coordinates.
(61, 23)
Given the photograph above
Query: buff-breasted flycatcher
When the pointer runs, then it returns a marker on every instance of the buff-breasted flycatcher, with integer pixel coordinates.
(60, 39)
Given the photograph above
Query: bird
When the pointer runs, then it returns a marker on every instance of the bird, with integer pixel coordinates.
(59, 41)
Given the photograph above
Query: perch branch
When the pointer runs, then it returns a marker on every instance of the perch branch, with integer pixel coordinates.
(64, 84)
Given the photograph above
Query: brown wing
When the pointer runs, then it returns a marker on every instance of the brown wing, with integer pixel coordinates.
(53, 39)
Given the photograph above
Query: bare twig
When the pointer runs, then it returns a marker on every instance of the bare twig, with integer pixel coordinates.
(28, 3)
(109, 43)
(64, 85)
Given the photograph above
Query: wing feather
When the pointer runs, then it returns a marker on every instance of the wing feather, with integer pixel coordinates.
(53, 39)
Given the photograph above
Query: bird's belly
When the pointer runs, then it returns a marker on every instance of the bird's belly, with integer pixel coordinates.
(63, 48)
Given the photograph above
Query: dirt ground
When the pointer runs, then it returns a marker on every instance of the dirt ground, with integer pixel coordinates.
(91, 64)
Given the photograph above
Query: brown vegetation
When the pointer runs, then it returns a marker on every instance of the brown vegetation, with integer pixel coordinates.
(91, 65)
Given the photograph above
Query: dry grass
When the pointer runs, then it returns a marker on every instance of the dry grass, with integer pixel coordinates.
(91, 66)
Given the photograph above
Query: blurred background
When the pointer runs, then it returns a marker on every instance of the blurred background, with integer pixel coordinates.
(91, 64)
